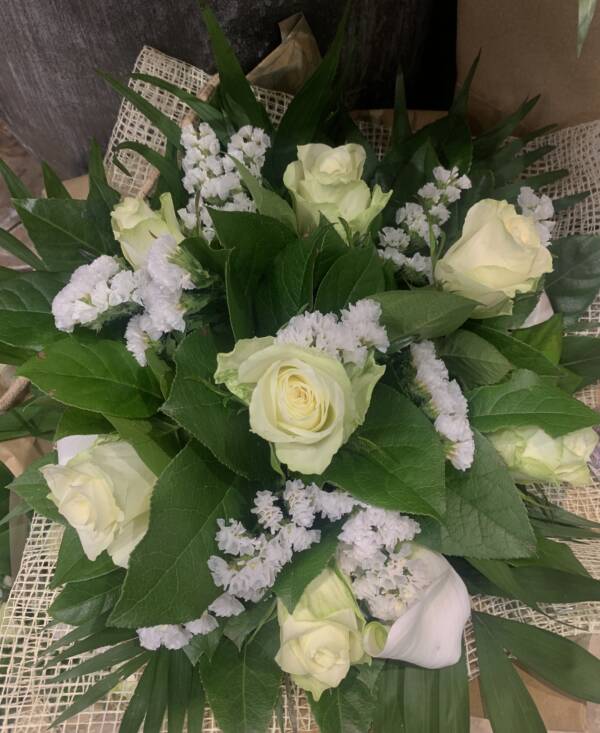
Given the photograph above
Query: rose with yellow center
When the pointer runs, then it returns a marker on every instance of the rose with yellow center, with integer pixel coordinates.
(301, 400)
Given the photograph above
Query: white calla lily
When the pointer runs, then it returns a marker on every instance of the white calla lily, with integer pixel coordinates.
(429, 633)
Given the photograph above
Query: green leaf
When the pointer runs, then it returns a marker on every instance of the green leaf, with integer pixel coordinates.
(54, 187)
(423, 313)
(472, 359)
(587, 8)
(204, 644)
(575, 280)
(242, 687)
(546, 337)
(16, 187)
(104, 660)
(556, 555)
(60, 231)
(453, 697)
(507, 702)
(356, 274)
(32, 487)
(401, 125)
(558, 661)
(489, 141)
(485, 516)
(97, 637)
(155, 441)
(420, 700)
(26, 319)
(388, 715)
(72, 563)
(223, 427)
(347, 708)
(238, 628)
(287, 287)
(306, 566)
(243, 108)
(517, 403)
(100, 201)
(197, 703)
(79, 602)
(81, 422)
(79, 633)
(133, 716)
(15, 247)
(168, 579)
(504, 581)
(395, 460)
(97, 375)
(179, 689)
(581, 354)
(157, 704)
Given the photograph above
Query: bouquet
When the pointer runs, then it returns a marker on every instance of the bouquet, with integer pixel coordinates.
(303, 402)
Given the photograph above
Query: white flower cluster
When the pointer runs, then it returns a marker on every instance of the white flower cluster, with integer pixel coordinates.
(447, 404)
(256, 559)
(375, 552)
(175, 636)
(419, 223)
(211, 176)
(539, 208)
(92, 291)
(347, 338)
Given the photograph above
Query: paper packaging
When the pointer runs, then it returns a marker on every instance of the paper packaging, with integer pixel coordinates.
(529, 48)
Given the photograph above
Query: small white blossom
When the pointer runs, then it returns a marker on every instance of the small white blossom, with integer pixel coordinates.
(540, 209)
(203, 625)
(226, 605)
(267, 513)
(171, 636)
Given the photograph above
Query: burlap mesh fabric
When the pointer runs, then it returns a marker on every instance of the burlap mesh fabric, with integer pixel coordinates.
(29, 700)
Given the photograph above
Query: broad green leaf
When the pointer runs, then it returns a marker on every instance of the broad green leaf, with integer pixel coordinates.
(287, 287)
(356, 274)
(238, 628)
(267, 202)
(305, 567)
(423, 313)
(36, 417)
(507, 702)
(242, 687)
(472, 359)
(575, 280)
(516, 404)
(81, 422)
(204, 644)
(16, 187)
(219, 423)
(388, 714)
(581, 354)
(15, 247)
(485, 516)
(330, 246)
(155, 441)
(53, 186)
(587, 8)
(82, 601)
(60, 231)
(32, 487)
(546, 337)
(347, 708)
(26, 319)
(168, 579)
(395, 460)
(420, 700)
(72, 563)
(560, 662)
(97, 375)
(557, 555)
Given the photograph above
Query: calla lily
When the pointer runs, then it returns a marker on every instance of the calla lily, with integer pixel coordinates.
(429, 633)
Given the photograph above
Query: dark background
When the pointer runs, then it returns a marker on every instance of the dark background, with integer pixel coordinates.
(54, 102)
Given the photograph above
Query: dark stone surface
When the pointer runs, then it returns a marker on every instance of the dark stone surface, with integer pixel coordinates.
(55, 103)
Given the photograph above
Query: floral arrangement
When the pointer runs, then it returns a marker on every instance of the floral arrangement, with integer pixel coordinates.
(302, 401)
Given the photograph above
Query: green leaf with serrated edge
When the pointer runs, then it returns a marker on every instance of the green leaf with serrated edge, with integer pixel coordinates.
(16, 187)
(472, 359)
(97, 375)
(81, 422)
(72, 563)
(133, 717)
(203, 644)
(157, 705)
(356, 274)
(168, 579)
(506, 700)
(97, 640)
(388, 715)
(32, 487)
(518, 402)
(558, 661)
(54, 187)
(179, 690)
(60, 231)
(155, 441)
(232, 81)
(347, 708)
(306, 566)
(453, 697)
(102, 688)
(287, 287)
(104, 660)
(197, 703)
(15, 247)
(81, 601)
(546, 337)
(423, 313)
(581, 354)
(238, 628)
(197, 405)
(395, 460)
(242, 687)
(26, 319)
(420, 700)
(485, 516)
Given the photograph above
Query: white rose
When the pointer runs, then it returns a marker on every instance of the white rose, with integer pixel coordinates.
(136, 226)
(429, 633)
(499, 254)
(102, 488)
(327, 181)
(533, 455)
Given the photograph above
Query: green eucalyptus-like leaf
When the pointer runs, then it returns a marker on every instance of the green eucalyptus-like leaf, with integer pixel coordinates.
(72, 563)
(575, 280)
(581, 354)
(472, 359)
(356, 274)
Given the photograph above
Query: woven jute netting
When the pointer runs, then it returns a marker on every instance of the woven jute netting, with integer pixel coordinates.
(29, 699)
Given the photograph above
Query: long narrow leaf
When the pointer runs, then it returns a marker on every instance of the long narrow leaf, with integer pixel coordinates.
(16, 187)
(489, 141)
(78, 633)
(104, 637)
(180, 688)
(55, 188)
(453, 697)
(16, 248)
(197, 702)
(138, 705)
(587, 8)
(106, 660)
(420, 700)
(461, 101)
(158, 700)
